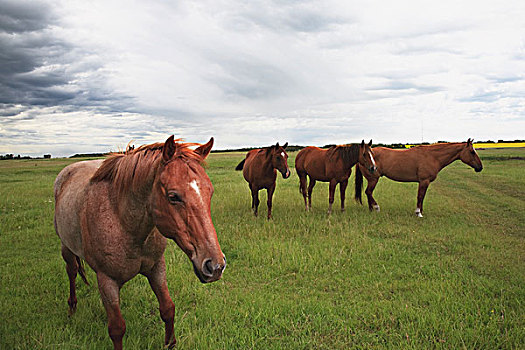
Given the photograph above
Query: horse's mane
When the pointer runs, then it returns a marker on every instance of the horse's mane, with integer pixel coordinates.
(348, 153)
(131, 168)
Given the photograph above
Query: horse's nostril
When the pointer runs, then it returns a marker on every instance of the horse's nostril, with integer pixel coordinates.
(207, 268)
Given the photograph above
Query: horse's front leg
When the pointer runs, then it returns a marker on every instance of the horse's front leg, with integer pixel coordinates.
(270, 190)
(342, 190)
(372, 204)
(331, 190)
(421, 191)
(110, 294)
(157, 281)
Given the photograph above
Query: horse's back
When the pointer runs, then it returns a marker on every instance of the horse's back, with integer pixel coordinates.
(398, 164)
(312, 161)
(70, 188)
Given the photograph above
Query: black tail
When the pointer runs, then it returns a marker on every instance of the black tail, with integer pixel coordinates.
(81, 270)
(240, 165)
(358, 184)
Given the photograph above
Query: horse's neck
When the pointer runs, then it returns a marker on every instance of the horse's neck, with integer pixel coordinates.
(267, 165)
(447, 154)
(132, 206)
(135, 217)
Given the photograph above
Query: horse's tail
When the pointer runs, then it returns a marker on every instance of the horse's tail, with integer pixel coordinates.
(358, 184)
(81, 270)
(240, 165)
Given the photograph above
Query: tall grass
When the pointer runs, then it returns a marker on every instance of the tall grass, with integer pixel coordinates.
(387, 280)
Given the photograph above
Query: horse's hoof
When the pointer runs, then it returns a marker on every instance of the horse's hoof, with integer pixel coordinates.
(418, 213)
(376, 208)
(71, 311)
(172, 344)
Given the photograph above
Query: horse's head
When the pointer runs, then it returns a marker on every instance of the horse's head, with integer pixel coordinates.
(469, 156)
(279, 158)
(180, 205)
(366, 156)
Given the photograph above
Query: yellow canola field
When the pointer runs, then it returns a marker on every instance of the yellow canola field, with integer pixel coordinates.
(499, 145)
(492, 145)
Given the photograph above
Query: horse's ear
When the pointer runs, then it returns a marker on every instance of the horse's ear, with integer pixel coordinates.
(363, 143)
(370, 143)
(277, 145)
(469, 141)
(205, 149)
(168, 150)
(285, 145)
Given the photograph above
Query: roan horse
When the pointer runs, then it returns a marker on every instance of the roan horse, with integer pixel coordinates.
(332, 165)
(260, 167)
(417, 164)
(117, 213)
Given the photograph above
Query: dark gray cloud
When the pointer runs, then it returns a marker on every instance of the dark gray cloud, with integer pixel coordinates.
(19, 16)
(37, 68)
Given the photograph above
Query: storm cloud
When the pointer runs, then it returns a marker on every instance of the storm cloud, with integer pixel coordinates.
(79, 76)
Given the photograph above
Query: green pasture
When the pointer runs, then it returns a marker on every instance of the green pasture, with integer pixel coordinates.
(454, 279)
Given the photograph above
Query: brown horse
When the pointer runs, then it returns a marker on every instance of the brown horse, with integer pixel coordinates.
(116, 214)
(260, 167)
(417, 164)
(332, 165)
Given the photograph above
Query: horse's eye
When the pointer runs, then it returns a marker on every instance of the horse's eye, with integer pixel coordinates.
(473, 152)
(174, 198)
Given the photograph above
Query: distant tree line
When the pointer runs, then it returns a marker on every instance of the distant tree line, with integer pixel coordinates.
(291, 148)
(12, 156)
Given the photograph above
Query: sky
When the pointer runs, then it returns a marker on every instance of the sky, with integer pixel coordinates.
(91, 76)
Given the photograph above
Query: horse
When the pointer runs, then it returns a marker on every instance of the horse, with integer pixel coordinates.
(333, 165)
(116, 214)
(417, 164)
(259, 169)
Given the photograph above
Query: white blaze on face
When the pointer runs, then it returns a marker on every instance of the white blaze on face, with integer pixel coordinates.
(372, 159)
(282, 154)
(196, 188)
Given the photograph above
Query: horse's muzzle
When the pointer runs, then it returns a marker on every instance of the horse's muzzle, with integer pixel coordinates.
(478, 169)
(210, 271)
(372, 169)
(287, 174)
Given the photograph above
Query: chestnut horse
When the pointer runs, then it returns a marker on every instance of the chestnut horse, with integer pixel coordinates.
(417, 164)
(332, 165)
(260, 167)
(117, 213)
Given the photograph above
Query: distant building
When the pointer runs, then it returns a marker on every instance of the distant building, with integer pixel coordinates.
(47, 156)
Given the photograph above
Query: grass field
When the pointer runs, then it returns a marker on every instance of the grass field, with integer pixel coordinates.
(453, 280)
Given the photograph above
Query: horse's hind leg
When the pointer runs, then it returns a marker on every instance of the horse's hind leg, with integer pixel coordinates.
(302, 187)
(421, 191)
(157, 281)
(342, 190)
(110, 295)
(310, 189)
(255, 200)
(72, 267)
